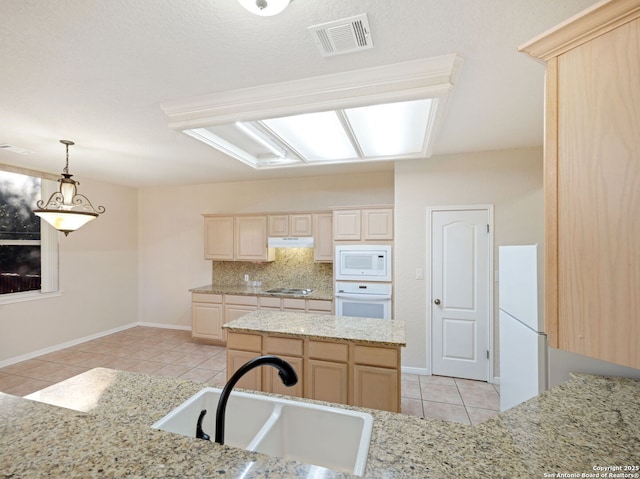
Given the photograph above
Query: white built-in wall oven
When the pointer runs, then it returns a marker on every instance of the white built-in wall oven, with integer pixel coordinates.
(363, 281)
(363, 300)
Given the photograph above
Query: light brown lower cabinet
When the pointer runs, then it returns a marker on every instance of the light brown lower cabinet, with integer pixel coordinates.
(207, 317)
(273, 383)
(376, 378)
(251, 380)
(236, 306)
(240, 349)
(210, 311)
(289, 349)
(342, 372)
(374, 387)
(327, 371)
(327, 381)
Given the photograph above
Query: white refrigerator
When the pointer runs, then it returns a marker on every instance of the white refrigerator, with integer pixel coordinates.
(527, 365)
(523, 344)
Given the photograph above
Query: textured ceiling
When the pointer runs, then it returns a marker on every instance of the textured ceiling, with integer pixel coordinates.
(96, 72)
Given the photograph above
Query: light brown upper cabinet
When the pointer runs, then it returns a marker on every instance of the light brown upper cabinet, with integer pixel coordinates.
(291, 225)
(323, 237)
(364, 224)
(218, 238)
(239, 238)
(592, 181)
(301, 225)
(377, 224)
(251, 239)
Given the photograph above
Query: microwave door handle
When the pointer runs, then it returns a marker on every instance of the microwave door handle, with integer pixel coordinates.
(363, 297)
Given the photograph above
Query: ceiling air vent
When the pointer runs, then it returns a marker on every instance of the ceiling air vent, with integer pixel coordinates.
(342, 36)
(14, 149)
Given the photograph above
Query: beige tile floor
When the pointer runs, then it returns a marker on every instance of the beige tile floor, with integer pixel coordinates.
(171, 353)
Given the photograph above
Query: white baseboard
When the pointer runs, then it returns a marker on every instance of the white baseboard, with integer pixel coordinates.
(426, 372)
(165, 326)
(68, 344)
(419, 371)
(74, 342)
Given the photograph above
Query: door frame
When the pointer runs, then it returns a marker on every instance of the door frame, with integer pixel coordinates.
(491, 284)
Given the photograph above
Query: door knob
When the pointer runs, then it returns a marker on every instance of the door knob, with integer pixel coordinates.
(436, 301)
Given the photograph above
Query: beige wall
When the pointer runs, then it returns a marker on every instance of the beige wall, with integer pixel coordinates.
(511, 180)
(172, 238)
(138, 264)
(98, 277)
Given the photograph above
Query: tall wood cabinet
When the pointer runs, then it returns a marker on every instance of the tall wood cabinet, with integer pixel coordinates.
(592, 181)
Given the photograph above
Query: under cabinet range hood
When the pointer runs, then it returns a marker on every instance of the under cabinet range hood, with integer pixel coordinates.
(290, 242)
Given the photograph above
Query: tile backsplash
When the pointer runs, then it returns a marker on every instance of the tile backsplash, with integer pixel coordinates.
(292, 268)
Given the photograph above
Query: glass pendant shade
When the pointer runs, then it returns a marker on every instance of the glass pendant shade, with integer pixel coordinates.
(265, 8)
(68, 190)
(66, 210)
(66, 221)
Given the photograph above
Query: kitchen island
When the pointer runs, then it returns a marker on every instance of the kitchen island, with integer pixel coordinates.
(580, 427)
(339, 359)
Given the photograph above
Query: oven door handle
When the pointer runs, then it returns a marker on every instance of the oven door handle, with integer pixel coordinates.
(363, 297)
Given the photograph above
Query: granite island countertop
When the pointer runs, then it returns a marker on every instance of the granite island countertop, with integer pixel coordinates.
(587, 423)
(242, 290)
(322, 326)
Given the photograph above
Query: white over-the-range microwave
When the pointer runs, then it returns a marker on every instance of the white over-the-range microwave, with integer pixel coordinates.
(363, 262)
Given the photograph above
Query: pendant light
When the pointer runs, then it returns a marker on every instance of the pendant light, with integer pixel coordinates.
(265, 8)
(67, 210)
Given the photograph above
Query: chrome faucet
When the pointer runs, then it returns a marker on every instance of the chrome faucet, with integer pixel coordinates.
(285, 371)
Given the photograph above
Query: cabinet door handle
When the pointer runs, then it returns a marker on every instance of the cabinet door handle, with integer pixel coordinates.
(436, 301)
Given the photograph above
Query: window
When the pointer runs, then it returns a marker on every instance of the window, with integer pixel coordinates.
(28, 249)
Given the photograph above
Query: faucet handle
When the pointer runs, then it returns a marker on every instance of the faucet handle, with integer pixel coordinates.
(200, 434)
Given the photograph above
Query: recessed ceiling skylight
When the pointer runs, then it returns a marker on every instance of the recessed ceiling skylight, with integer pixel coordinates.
(386, 113)
(316, 136)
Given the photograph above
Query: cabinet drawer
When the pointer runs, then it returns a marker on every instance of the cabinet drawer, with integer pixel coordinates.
(384, 357)
(206, 298)
(236, 299)
(244, 342)
(267, 302)
(319, 305)
(329, 351)
(285, 346)
(290, 303)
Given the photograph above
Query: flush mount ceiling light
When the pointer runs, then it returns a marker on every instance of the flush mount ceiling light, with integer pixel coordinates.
(265, 8)
(67, 210)
(383, 113)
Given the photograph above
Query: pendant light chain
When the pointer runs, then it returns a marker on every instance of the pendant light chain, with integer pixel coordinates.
(67, 143)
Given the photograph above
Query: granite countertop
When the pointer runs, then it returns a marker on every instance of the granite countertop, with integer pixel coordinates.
(321, 326)
(574, 430)
(320, 293)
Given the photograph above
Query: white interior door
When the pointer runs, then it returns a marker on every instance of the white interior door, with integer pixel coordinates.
(460, 292)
